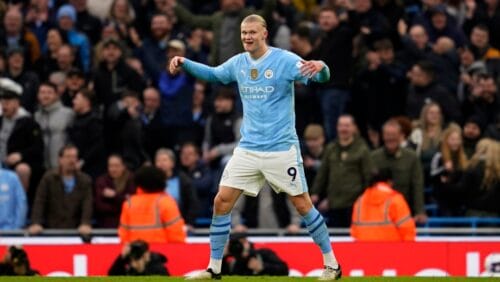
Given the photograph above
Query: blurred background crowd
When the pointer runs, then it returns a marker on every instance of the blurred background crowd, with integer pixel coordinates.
(86, 100)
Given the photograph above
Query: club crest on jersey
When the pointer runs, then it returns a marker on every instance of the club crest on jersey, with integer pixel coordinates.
(268, 74)
(254, 73)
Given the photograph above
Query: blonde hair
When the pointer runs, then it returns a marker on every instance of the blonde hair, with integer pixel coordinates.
(487, 151)
(254, 18)
(424, 125)
(445, 148)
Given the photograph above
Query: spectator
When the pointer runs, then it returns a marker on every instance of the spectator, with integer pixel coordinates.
(470, 68)
(345, 170)
(54, 118)
(86, 23)
(16, 263)
(13, 203)
(480, 184)
(446, 63)
(405, 168)
(111, 190)
(427, 135)
(75, 81)
(267, 210)
(48, 61)
(382, 213)
(487, 13)
(406, 129)
(424, 88)
(151, 209)
(86, 133)
(152, 125)
(226, 39)
(447, 167)
(38, 19)
(366, 21)
(153, 49)
(200, 176)
(314, 139)
(124, 132)
(113, 75)
(485, 99)
(334, 95)
(200, 113)
(480, 45)
(29, 80)
(121, 15)
(416, 45)
(472, 133)
(136, 260)
(64, 197)
(65, 60)
(176, 98)
(21, 143)
(66, 19)
(13, 35)
(440, 25)
(380, 88)
(178, 185)
(242, 258)
(58, 78)
(307, 100)
(222, 131)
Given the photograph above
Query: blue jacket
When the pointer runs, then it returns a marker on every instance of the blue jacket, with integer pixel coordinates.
(13, 206)
(176, 99)
(80, 41)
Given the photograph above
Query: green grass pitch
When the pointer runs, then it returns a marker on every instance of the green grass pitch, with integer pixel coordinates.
(238, 279)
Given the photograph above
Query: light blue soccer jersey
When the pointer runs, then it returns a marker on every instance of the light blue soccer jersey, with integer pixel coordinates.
(267, 93)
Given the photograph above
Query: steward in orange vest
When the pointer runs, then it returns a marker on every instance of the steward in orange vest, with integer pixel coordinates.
(382, 213)
(151, 214)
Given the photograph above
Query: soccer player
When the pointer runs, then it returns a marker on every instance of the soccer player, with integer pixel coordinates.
(269, 147)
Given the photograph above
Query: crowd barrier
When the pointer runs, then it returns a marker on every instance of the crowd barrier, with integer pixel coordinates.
(429, 256)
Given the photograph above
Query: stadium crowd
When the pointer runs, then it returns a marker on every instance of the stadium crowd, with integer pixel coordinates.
(87, 100)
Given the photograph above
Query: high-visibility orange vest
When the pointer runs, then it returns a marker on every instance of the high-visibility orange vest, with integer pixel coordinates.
(382, 214)
(152, 217)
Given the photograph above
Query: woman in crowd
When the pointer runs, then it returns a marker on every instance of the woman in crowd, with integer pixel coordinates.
(480, 184)
(427, 135)
(111, 189)
(447, 167)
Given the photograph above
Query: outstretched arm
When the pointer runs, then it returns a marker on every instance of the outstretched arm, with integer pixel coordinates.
(201, 71)
(317, 71)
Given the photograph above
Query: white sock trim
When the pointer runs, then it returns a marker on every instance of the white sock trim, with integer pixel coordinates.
(215, 265)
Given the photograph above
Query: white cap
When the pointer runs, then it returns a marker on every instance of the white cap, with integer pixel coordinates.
(9, 87)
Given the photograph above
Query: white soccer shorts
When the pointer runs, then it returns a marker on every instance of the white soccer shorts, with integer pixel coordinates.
(248, 170)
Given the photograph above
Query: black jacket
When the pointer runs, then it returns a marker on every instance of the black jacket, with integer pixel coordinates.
(26, 139)
(418, 96)
(189, 203)
(86, 133)
(110, 84)
(30, 82)
(155, 266)
(335, 50)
